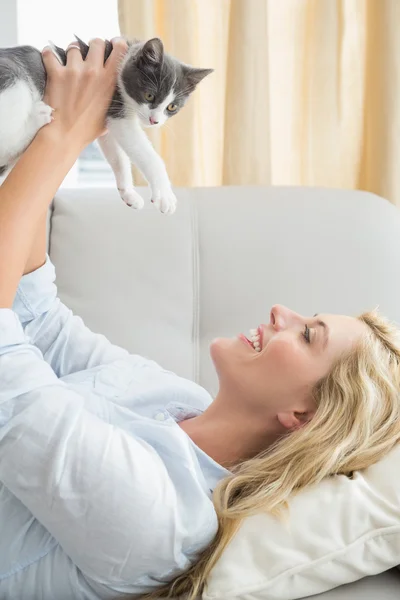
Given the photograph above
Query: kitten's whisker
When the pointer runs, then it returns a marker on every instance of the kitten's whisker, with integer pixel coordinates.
(184, 92)
(151, 80)
(154, 78)
(164, 78)
(170, 129)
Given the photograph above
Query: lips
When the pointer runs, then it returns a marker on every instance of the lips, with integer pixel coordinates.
(244, 339)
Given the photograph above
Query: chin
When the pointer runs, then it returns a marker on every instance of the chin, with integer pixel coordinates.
(227, 357)
(220, 350)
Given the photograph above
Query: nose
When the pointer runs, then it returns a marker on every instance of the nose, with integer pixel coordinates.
(153, 121)
(282, 317)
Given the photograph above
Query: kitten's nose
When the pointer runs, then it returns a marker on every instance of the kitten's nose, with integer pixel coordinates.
(153, 121)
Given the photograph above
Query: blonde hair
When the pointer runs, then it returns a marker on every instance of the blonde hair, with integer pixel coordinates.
(356, 423)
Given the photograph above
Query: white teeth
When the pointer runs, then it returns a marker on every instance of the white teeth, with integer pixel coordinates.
(255, 339)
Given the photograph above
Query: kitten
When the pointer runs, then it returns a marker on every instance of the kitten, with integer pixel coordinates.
(152, 87)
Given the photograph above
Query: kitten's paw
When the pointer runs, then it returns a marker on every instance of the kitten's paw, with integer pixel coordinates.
(131, 198)
(43, 113)
(165, 199)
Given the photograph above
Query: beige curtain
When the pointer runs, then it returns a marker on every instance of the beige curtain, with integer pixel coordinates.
(305, 92)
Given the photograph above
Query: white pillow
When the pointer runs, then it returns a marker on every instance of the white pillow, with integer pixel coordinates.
(339, 531)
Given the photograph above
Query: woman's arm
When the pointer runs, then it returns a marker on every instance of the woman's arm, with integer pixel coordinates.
(66, 343)
(80, 93)
(24, 197)
(104, 494)
(37, 256)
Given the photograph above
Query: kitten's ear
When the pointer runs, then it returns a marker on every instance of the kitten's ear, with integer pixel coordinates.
(152, 52)
(193, 76)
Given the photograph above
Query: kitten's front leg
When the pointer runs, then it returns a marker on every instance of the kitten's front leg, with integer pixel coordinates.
(132, 139)
(121, 165)
(41, 115)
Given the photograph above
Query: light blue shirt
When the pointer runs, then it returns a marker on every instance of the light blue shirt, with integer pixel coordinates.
(100, 490)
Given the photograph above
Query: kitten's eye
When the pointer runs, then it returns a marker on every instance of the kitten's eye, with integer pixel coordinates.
(149, 97)
(172, 107)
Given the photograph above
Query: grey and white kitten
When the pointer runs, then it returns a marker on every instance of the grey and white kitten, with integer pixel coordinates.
(152, 87)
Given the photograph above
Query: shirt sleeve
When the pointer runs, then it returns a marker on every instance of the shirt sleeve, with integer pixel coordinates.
(62, 337)
(104, 495)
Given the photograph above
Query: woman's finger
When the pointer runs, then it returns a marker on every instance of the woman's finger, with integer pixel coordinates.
(118, 52)
(51, 61)
(74, 56)
(95, 56)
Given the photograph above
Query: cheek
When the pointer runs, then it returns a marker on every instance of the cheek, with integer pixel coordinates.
(286, 358)
(144, 110)
(288, 363)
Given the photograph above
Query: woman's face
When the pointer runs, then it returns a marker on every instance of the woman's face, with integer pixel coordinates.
(295, 352)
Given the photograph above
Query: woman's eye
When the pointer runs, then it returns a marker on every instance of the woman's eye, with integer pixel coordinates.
(149, 97)
(172, 107)
(306, 334)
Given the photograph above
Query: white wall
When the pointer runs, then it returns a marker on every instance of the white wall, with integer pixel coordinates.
(58, 20)
(8, 23)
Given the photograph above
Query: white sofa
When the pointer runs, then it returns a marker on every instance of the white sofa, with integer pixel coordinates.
(165, 286)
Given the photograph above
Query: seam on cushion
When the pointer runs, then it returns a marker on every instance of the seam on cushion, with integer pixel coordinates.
(196, 291)
(20, 568)
(263, 584)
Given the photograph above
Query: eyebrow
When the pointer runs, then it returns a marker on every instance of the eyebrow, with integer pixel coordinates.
(326, 330)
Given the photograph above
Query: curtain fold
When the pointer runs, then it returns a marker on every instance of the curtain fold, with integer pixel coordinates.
(305, 92)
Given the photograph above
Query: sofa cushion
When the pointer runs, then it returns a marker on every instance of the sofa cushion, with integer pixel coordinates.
(128, 274)
(339, 531)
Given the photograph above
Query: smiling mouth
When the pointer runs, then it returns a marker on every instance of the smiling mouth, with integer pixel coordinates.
(255, 339)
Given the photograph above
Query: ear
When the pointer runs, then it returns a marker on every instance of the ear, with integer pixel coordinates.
(194, 76)
(291, 421)
(152, 52)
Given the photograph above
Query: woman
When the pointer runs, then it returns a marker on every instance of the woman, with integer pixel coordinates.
(118, 478)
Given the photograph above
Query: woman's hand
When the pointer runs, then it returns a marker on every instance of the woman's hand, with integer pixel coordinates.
(81, 92)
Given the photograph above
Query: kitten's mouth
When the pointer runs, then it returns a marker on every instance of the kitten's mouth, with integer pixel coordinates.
(147, 124)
